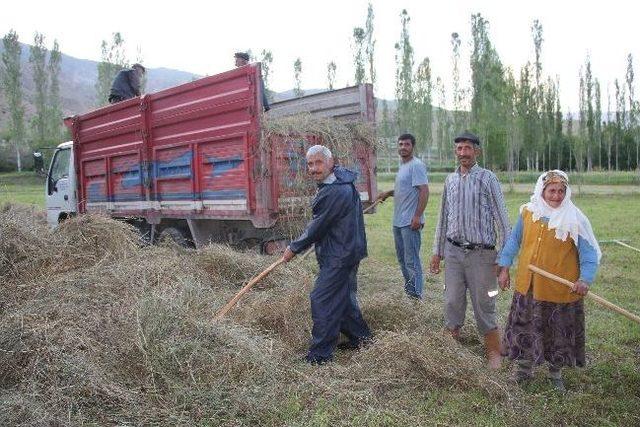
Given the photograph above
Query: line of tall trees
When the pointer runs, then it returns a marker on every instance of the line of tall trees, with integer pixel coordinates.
(517, 114)
(44, 126)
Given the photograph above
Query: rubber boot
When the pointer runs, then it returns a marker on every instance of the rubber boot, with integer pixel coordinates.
(492, 347)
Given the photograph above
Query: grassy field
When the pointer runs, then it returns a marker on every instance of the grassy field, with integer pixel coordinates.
(25, 187)
(606, 392)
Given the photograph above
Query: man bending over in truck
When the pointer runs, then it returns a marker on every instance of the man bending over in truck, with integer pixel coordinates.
(242, 59)
(126, 85)
(337, 230)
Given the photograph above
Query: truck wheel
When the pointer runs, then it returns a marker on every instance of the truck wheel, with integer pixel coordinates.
(176, 236)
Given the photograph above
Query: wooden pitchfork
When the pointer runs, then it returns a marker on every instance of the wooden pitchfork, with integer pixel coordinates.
(228, 306)
(598, 299)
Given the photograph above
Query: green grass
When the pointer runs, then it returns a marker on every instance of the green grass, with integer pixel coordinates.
(22, 187)
(607, 391)
(591, 178)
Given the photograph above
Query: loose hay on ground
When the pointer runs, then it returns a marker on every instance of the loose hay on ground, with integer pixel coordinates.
(128, 337)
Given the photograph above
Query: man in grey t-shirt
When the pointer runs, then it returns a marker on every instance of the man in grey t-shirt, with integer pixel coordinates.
(411, 193)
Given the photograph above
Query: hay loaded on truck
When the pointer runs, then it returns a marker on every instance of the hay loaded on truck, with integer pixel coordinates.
(199, 162)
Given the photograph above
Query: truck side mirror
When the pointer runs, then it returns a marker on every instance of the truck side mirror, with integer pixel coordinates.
(38, 163)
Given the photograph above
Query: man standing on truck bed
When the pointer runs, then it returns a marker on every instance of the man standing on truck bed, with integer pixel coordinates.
(337, 229)
(126, 85)
(242, 59)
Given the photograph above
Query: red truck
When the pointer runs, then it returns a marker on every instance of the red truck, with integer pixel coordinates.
(189, 162)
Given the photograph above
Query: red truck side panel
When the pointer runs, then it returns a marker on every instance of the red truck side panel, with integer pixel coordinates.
(193, 151)
(183, 151)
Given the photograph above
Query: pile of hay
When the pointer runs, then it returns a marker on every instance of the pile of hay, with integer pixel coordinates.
(125, 335)
(293, 135)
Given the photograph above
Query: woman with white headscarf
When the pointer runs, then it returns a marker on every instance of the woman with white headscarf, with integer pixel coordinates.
(546, 320)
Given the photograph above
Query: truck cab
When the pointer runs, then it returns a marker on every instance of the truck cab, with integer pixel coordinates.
(60, 193)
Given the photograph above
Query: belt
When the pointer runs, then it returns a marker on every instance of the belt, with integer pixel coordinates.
(470, 246)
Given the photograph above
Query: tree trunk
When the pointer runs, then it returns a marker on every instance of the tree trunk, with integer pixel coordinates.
(18, 159)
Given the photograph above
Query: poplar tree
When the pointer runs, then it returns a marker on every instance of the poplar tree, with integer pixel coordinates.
(11, 77)
(331, 74)
(112, 61)
(443, 129)
(265, 62)
(538, 133)
(405, 95)
(37, 60)
(598, 120)
(424, 116)
(297, 75)
(633, 108)
(620, 120)
(588, 103)
(370, 46)
(487, 103)
(458, 119)
(358, 55)
(54, 110)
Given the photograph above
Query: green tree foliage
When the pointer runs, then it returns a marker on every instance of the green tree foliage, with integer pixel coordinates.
(634, 110)
(11, 87)
(423, 110)
(459, 115)
(37, 60)
(266, 62)
(54, 110)
(297, 75)
(358, 55)
(538, 99)
(331, 75)
(488, 116)
(444, 134)
(405, 95)
(370, 45)
(113, 59)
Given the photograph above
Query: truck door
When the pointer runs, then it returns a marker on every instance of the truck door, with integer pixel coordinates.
(60, 195)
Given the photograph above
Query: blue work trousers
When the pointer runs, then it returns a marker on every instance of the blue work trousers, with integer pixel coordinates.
(408, 253)
(334, 309)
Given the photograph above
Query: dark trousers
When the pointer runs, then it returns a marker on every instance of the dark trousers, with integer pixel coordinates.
(334, 309)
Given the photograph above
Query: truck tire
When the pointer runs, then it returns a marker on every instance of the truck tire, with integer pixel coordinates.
(176, 236)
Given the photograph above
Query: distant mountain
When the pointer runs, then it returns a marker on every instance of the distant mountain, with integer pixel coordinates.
(77, 81)
(78, 77)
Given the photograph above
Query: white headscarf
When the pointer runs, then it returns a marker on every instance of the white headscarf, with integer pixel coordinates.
(567, 219)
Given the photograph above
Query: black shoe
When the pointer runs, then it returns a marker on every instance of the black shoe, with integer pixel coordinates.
(348, 345)
(317, 361)
(355, 345)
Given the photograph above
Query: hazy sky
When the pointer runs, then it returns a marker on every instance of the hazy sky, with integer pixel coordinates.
(201, 36)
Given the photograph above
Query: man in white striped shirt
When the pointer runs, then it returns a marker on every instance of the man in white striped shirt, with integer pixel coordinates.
(473, 220)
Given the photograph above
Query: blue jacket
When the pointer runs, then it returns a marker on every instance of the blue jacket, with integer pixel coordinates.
(126, 85)
(337, 225)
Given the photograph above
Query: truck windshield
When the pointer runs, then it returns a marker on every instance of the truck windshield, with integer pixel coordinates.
(59, 168)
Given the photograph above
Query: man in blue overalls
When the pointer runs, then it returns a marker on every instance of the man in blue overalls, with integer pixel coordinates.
(337, 230)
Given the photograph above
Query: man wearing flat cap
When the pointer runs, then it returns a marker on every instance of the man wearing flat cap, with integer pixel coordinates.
(473, 221)
(242, 59)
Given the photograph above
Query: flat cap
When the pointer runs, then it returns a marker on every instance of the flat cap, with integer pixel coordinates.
(467, 136)
(242, 55)
(136, 65)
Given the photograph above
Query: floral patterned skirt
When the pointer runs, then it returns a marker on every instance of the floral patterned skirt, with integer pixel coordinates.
(540, 331)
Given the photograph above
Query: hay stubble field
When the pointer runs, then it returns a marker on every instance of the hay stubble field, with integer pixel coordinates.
(95, 330)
